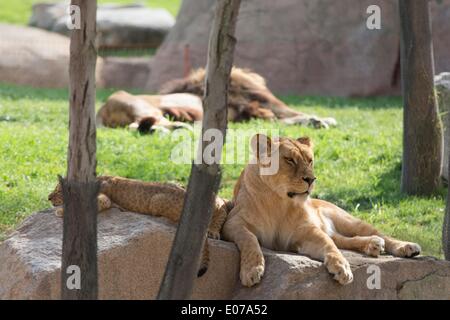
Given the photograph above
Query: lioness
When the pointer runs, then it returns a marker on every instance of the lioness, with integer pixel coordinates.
(277, 212)
(152, 198)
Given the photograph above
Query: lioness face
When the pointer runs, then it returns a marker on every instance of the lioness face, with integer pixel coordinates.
(294, 178)
(56, 197)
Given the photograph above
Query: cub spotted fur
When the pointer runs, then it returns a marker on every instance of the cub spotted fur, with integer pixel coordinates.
(153, 198)
(277, 212)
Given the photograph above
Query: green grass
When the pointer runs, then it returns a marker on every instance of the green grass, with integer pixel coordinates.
(358, 163)
(19, 11)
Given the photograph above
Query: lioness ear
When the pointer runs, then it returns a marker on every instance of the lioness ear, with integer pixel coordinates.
(261, 145)
(306, 141)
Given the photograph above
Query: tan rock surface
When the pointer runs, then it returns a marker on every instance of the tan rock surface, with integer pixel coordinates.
(305, 47)
(133, 251)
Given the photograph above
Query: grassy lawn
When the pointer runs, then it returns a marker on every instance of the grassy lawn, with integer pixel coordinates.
(358, 163)
(19, 11)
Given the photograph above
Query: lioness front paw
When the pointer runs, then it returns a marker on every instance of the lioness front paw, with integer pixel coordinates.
(406, 250)
(251, 276)
(339, 267)
(374, 247)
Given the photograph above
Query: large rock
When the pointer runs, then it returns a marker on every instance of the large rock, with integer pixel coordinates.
(45, 15)
(133, 251)
(303, 46)
(35, 57)
(30, 56)
(118, 26)
(125, 73)
(442, 82)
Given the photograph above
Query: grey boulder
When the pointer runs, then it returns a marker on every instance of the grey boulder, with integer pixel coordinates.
(320, 47)
(133, 250)
(118, 26)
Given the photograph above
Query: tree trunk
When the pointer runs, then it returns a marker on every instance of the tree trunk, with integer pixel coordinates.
(422, 135)
(204, 181)
(446, 227)
(80, 189)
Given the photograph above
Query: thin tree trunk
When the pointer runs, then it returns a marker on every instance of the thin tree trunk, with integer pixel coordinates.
(446, 227)
(204, 181)
(80, 189)
(422, 136)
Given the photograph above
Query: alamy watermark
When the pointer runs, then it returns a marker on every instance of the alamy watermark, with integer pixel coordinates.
(374, 20)
(374, 280)
(73, 281)
(73, 18)
(209, 147)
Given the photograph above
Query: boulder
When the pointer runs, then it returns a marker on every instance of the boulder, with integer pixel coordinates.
(118, 26)
(133, 251)
(45, 15)
(38, 58)
(442, 83)
(35, 57)
(125, 73)
(320, 47)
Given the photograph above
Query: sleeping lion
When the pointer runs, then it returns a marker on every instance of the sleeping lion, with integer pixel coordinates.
(180, 101)
(277, 212)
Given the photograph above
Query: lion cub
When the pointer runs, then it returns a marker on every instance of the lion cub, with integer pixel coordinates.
(152, 198)
(277, 212)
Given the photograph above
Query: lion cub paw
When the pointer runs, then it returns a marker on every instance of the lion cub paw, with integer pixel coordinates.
(374, 247)
(338, 266)
(406, 250)
(59, 212)
(251, 276)
(214, 234)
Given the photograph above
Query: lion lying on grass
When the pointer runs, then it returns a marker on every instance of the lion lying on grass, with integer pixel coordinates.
(180, 101)
(277, 212)
(153, 198)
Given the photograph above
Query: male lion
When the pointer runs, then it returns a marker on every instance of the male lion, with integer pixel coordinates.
(180, 101)
(277, 212)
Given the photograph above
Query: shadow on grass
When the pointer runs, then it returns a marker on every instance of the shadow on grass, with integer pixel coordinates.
(385, 192)
(342, 103)
(14, 93)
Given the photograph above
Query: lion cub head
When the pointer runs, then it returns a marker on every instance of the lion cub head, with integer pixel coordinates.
(56, 197)
(292, 176)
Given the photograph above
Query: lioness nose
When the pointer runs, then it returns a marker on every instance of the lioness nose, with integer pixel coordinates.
(309, 180)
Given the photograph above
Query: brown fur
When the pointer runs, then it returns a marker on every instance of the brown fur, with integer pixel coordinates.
(248, 98)
(122, 109)
(277, 212)
(153, 198)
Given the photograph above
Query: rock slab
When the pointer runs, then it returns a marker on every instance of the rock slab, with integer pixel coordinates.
(118, 26)
(320, 47)
(34, 57)
(39, 58)
(133, 251)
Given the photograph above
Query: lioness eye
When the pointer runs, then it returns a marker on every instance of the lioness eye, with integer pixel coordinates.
(290, 160)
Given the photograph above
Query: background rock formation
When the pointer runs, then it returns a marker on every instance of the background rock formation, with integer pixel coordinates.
(305, 47)
(118, 26)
